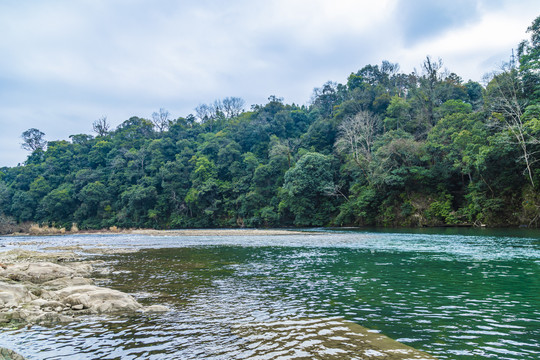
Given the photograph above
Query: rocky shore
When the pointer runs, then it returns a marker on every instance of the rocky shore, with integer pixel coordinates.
(52, 231)
(42, 287)
(220, 232)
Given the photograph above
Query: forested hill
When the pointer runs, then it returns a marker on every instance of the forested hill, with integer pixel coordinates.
(384, 148)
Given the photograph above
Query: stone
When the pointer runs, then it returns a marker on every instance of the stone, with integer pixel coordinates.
(5, 317)
(7, 354)
(39, 303)
(64, 282)
(49, 318)
(17, 255)
(97, 299)
(12, 295)
(53, 304)
(39, 273)
(44, 291)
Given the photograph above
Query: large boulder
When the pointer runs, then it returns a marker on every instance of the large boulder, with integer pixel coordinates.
(35, 288)
(22, 255)
(41, 272)
(64, 282)
(97, 299)
(12, 295)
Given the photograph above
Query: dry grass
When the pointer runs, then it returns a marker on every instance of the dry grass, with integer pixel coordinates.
(36, 229)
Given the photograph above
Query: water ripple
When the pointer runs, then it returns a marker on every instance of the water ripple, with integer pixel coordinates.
(454, 296)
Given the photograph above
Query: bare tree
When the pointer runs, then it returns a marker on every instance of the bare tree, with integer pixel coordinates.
(232, 106)
(33, 139)
(207, 112)
(101, 127)
(161, 120)
(432, 75)
(203, 112)
(226, 108)
(356, 136)
(507, 104)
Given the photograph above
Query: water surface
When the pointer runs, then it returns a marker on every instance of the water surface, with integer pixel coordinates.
(453, 294)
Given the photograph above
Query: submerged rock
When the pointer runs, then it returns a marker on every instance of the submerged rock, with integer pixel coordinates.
(321, 338)
(7, 354)
(156, 309)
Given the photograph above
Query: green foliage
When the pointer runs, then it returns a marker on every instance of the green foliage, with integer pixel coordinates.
(441, 211)
(306, 190)
(361, 209)
(57, 206)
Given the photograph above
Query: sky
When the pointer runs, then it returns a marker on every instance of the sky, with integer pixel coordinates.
(66, 63)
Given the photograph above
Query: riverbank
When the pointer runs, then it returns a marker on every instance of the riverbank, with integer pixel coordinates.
(221, 232)
(49, 231)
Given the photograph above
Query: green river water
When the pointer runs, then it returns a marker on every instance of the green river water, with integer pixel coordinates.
(454, 294)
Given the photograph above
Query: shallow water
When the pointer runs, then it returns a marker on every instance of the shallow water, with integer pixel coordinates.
(453, 294)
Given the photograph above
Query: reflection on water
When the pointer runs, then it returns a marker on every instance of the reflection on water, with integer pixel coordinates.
(453, 296)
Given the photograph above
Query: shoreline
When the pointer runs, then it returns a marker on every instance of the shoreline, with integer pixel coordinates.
(176, 232)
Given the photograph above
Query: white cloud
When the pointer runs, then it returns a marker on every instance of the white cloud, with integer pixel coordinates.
(469, 51)
(66, 63)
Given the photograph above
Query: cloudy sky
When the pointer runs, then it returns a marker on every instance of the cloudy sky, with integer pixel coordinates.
(66, 63)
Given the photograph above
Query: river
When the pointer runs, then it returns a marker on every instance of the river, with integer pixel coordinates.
(453, 293)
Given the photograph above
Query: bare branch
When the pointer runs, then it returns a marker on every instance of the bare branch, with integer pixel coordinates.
(161, 120)
(101, 126)
(507, 106)
(356, 137)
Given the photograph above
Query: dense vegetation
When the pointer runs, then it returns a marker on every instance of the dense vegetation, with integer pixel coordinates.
(385, 148)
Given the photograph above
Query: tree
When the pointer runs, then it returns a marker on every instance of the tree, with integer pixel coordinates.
(400, 161)
(134, 132)
(232, 106)
(33, 139)
(209, 113)
(325, 98)
(283, 147)
(398, 115)
(137, 201)
(204, 112)
(81, 139)
(306, 187)
(426, 93)
(356, 138)
(529, 62)
(161, 120)
(101, 127)
(58, 205)
(505, 94)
